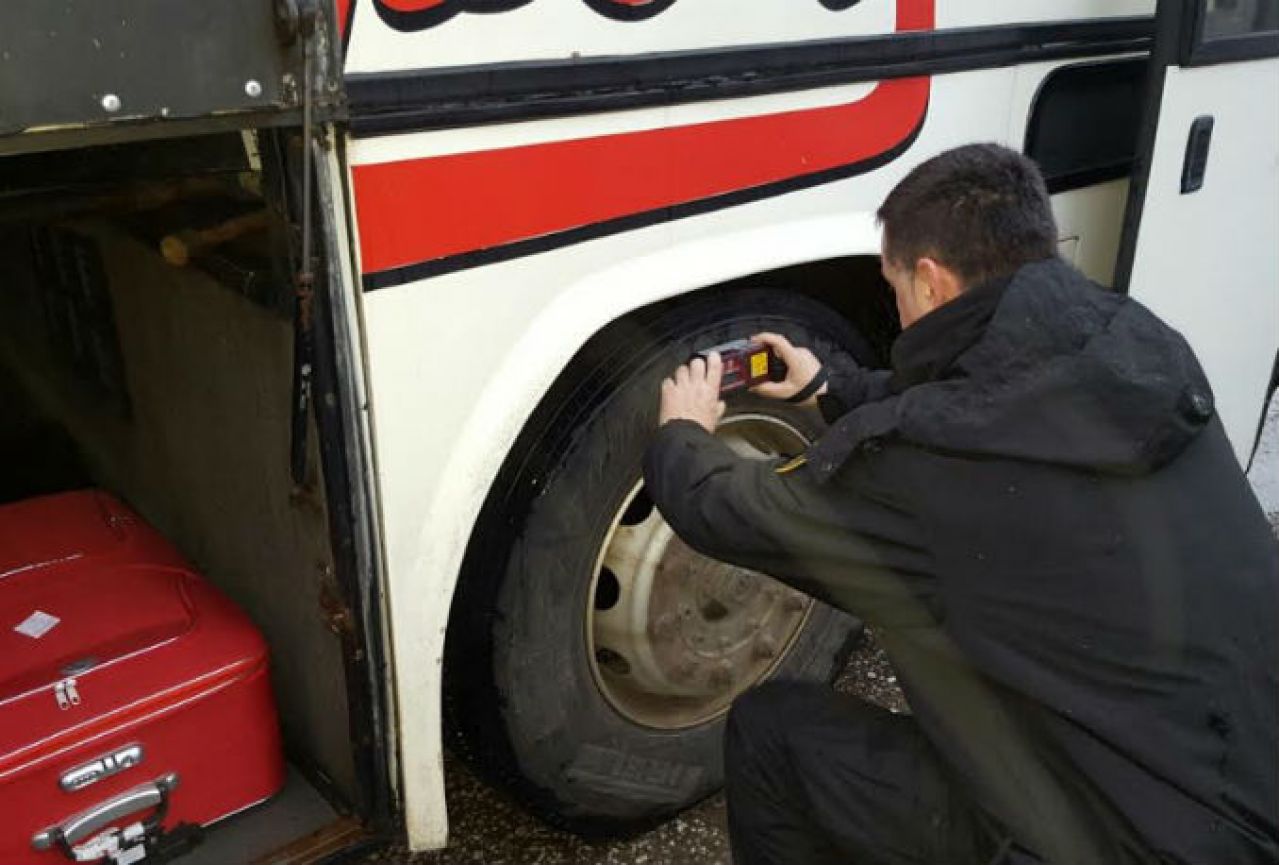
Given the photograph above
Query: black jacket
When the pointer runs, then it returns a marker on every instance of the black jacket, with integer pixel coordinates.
(1044, 519)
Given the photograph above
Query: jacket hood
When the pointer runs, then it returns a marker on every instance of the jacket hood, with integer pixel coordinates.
(1065, 373)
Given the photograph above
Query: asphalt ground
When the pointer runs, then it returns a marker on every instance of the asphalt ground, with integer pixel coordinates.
(488, 829)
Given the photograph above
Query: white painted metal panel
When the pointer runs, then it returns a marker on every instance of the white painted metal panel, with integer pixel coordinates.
(565, 29)
(458, 362)
(1207, 262)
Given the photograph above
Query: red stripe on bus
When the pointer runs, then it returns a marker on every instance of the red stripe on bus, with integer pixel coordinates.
(343, 10)
(916, 15)
(411, 5)
(422, 209)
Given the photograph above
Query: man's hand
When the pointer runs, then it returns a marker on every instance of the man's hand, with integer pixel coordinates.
(692, 393)
(801, 366)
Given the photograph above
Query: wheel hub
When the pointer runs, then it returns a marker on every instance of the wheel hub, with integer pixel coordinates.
(675, 635)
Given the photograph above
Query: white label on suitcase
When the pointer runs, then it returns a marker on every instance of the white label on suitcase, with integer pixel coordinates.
(37, 625)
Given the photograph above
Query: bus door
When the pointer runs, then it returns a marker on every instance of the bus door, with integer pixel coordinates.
(1201, 232)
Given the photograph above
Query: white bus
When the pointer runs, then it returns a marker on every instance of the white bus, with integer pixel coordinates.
(418, 464)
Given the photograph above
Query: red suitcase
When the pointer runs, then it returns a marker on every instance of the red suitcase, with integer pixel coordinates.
(134, 697)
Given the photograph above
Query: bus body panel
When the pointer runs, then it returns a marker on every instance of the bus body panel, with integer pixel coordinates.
(547, 30)
(1206, 260)
(458, 362)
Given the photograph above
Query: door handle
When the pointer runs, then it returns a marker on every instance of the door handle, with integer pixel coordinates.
(1196, 163)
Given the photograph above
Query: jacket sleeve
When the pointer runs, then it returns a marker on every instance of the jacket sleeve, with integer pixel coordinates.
(858, 552)
(850, 385)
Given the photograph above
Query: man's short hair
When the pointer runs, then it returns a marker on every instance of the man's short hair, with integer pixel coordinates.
(981, 210)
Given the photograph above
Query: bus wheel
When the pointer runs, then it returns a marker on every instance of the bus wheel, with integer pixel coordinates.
(592, 655)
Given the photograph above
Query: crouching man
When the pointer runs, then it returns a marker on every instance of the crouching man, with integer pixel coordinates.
(1039, 513)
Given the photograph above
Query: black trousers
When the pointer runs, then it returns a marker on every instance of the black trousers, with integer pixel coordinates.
(816, 777)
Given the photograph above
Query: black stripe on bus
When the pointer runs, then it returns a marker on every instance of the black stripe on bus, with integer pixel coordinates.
(384, 103)
(345, 27)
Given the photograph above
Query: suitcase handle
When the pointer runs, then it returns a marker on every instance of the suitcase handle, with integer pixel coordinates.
(86, 823)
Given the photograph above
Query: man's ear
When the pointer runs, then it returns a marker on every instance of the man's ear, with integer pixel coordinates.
(937, 282)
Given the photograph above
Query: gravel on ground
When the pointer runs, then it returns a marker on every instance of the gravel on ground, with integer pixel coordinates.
(486, 828)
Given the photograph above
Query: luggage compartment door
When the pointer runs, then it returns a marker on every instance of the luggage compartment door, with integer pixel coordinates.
(1202, 225)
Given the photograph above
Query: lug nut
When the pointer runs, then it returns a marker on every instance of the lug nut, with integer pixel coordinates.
(764, 648)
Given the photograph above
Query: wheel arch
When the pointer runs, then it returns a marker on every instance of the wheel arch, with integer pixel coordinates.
(429, 524)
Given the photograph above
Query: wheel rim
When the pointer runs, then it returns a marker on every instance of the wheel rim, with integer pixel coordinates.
(674, 636)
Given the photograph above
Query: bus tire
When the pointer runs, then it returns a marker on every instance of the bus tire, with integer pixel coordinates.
(532, 701)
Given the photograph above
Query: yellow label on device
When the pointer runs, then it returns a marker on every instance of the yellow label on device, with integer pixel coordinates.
(759, 364)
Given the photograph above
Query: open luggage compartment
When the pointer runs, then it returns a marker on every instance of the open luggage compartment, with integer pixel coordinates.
(173, 387)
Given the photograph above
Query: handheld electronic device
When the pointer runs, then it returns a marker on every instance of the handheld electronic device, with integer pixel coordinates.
(746, 364)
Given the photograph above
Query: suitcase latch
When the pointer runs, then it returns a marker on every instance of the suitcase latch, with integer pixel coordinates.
(66, 693)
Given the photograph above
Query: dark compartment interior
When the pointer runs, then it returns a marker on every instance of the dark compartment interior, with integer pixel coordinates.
(170, 385)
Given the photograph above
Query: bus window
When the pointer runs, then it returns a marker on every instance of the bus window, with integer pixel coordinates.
(1232, 30)
(1223, 19)
(1083, 127)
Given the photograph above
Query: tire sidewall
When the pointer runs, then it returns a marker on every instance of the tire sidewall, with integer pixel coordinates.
(583, 759)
